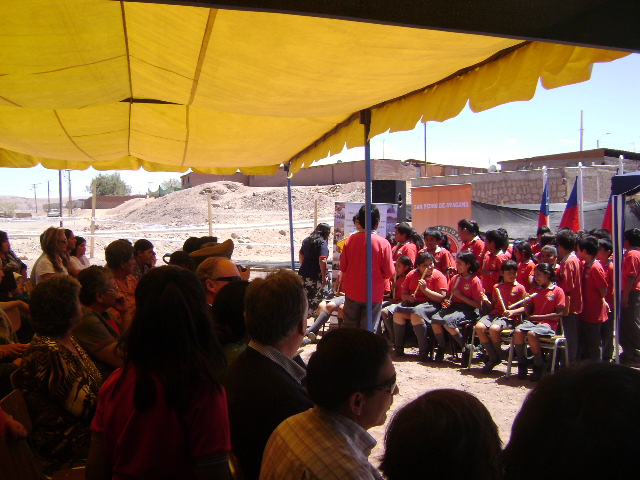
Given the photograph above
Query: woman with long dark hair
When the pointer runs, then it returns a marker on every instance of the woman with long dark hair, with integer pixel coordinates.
(164, 414)
(313, 266)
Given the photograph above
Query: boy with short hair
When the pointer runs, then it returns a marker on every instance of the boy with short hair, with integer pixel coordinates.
(605, 250)
(570, 281)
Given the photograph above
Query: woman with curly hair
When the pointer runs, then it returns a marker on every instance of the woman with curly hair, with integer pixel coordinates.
(313, 266)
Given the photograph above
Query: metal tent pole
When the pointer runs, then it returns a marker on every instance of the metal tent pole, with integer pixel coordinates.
(290, 201)
(365, 119)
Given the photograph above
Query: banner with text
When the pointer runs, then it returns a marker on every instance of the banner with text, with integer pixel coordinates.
(441, 207)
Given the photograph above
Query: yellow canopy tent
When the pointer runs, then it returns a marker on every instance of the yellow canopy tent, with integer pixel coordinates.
(119, 85)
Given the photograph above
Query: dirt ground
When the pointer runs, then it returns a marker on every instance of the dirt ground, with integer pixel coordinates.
(257, 220)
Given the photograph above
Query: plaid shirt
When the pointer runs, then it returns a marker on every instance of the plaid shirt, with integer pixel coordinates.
(319, 445)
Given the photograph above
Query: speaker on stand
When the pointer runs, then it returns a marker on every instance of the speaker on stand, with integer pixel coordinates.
(391, 191)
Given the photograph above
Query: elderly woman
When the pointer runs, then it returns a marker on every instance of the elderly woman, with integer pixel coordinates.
(59, 379)
(313, 266)
(54, 245)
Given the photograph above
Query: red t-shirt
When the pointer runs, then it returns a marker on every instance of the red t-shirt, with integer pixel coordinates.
(570, 280)
(437, 282)
(476, 246)
(353, 264)
(608, 270)
(470, 286)
(535, 248)
(444, 259)
(593, 279)
(546, 301)
(525, 271)
(491, 270)
(409, 249)
(631, 266)
(397, 288)
(159, 443)
(511, 293)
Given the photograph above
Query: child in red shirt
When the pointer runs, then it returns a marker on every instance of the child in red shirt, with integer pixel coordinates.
(444, 260)
(465, 297)
(469, 234)
(570, 280)
(543, 311)
(492, 261)
(605, 249)
(424, 287)
(488, 328)
(630, 320)
(403, 266)
(524, 255)
(594, 307)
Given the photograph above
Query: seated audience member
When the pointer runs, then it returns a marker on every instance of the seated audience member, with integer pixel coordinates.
(326, 309)
(330, 441)
(443, 434)
(9, 264)
(59, 379)
(586, 420)
(403, 267)
(96, 333)
(78, 259)
(120, 260)
(11, 349)
(10, 428)
(182, 259)
(164, 414)
(145, 257)
(66, 255)
(54, 245)
(264, 384)
(215, 273)
(228, 320)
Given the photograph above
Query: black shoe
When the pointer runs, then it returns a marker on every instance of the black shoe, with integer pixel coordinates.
(423, 357)
(439, 355)
(537, 373)
(398, 351)
(490, 365)
(523, 370)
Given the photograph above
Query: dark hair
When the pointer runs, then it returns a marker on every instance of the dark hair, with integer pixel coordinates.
(94, 280)
(525, 249)
(405, 260)
(589, 244)
(423, 257)
(375, 216)
(542, 230)
(3, 236)
(117, 253)
(469, 225)
(566, 239)
(547, 238)
(79, 241)
(346, 360)
(586, 417)
(53, 305)
(141, 245)
(442, 434)
(181, 258)
(605, 244)
(416, 238)
(550, 249)
(497, 238)
(68, 233)
(505, 236)
(320, 234)
(192, 244)
(532, 239)
(432, 232)
(632, 236)
(601, 233)
(228, 312)
(444, 242)
(274, 306)
(547, 270)
(405, 229)
(509, 265)
(171, 340)
(470, 259)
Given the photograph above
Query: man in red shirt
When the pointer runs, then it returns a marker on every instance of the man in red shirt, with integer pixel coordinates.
(570, 281)
(353, 263)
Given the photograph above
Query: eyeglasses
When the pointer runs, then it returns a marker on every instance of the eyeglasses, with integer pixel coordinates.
(388, 386)
(234, 278)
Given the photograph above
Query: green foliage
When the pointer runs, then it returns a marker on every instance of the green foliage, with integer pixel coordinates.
(172, 184)
(8, 209)
(110, 185)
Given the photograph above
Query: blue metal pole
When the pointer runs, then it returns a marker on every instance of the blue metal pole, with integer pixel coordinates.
(365, 119)
(289, 198)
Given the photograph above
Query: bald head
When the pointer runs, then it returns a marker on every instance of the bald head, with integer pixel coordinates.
(215, 273)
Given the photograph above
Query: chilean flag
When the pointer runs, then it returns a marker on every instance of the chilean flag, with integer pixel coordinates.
(571, 215)
(543, 216)
(607, 221)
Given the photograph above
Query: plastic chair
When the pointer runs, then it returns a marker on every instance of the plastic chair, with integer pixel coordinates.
(16, 458)
(546, 343)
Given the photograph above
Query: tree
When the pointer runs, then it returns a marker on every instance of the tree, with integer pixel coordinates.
(110, 185)
(172, 183)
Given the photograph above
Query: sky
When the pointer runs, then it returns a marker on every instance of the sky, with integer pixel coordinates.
(548, 124)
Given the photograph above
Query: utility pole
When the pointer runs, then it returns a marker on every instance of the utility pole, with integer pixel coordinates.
(35, 198)
(581, 127)
(48, 197)
(60, 196)
(70, 204)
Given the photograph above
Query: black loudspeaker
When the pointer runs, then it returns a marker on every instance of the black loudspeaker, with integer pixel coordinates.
(391, 191)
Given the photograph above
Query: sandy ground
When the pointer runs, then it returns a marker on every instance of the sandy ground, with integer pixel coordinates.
(257, 220)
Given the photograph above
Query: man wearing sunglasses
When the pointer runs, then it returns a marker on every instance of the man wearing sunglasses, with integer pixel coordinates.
(331, 440)
(215, 273)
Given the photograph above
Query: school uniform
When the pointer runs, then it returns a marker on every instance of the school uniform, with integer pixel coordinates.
(459, 311)
(475, 246)
(594, 311)
(525, 272)
(408, 248)
(510, 294)
(443, 259)
(630, 320)
(544, 302)
(606, 330)
(570, 280)
(491, 270)
(425, 307)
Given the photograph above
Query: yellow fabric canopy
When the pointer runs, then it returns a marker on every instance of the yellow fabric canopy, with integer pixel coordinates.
(118, 85)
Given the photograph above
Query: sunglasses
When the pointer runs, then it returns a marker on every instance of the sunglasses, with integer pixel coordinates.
(388, 386)
(234, 278)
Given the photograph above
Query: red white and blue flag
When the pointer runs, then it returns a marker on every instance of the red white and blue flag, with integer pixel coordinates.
(571, 215)
(607, 221)
(543, 216)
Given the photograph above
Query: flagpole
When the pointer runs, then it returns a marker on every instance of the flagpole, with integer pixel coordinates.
(580, 196)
